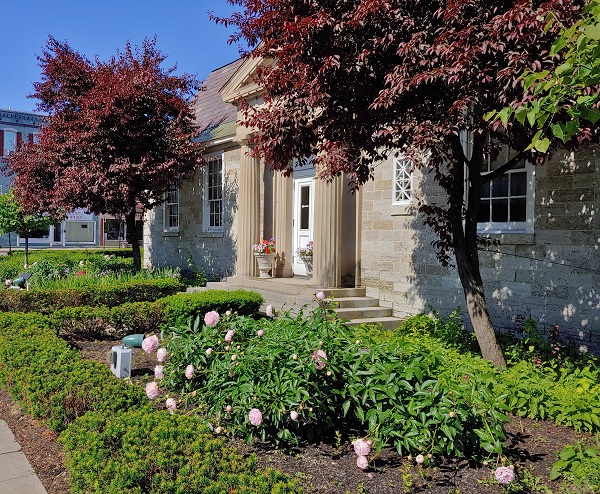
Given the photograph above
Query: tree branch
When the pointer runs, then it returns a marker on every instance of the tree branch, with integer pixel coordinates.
(488, 177)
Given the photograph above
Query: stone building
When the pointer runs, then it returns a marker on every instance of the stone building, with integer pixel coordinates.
(546, 265)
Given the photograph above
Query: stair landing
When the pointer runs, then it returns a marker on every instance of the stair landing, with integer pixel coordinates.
(295, 293)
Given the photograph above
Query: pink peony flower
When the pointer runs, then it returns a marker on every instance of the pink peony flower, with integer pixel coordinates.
(320, 357)
(152, 391)
(211, 319)
(505, 475)
(362, 462)
(150, 344)
(294, 415)
(8, 282)
(189, 371)
(171, 405)
(229, 335)
(320, 296)
(362, 447)
(228, 313)
(159, 372)
(161, 354)
(420, 459)
(208, 351)
(260, 332)
(269, 311)
(255, 417)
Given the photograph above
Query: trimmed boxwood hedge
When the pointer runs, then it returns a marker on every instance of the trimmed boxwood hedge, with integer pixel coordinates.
(148, 317)
(155, 452)
(46, 301)
(115, 440)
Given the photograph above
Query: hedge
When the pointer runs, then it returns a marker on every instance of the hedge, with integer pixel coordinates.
(155, 452)
(115, 440)
(148, 317)
(47, 301)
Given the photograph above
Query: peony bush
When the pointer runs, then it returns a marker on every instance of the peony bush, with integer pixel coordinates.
(286, 379)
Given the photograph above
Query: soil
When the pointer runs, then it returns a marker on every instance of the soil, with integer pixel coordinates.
(322, 468)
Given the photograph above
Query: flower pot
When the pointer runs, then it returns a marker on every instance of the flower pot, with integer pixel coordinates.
(265, 263)
(308, 264)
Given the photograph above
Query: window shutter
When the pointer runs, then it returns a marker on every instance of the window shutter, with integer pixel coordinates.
(31, 138)
(1, 143)
(19, 139)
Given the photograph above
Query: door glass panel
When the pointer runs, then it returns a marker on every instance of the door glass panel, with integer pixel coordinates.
(304, 207)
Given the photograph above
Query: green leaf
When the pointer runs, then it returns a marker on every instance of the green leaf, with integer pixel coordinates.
(563, 68)
(542, 146)
(557, 469)
(593, 32)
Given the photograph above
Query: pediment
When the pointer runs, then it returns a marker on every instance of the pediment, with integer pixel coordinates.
(241, 84)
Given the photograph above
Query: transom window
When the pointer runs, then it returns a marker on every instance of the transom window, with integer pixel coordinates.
(172, 208)
(403, 186)
(214, 195)
(507, 200)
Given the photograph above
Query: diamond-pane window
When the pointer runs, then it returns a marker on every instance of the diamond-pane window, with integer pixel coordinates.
(403, 188)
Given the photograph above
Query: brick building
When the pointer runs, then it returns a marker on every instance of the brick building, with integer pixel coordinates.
(80, 228)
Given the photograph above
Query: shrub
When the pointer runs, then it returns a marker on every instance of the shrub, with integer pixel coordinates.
(48, 300)
(49, 379)
(181, 308)
(159, 453)
(310, 375)
(147, 317)
(83, 322)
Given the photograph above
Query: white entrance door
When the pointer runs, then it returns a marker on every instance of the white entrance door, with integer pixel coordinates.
(304, 192)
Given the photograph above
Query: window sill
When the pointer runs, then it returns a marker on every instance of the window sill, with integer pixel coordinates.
(509, 238)
(402, 209)
(211, 235)
(174, 233)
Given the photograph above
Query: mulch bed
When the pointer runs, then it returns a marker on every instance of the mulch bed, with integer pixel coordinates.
(322, 468)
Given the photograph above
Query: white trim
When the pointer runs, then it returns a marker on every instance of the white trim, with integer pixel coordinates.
(400, 164)
(206, 227)
(526, 226)
(167, 209)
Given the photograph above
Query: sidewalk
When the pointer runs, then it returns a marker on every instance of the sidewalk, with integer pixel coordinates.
(16, 474)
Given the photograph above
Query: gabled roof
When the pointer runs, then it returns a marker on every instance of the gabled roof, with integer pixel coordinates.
(216, 117)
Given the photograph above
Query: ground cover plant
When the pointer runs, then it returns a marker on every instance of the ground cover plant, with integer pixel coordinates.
(289, 383)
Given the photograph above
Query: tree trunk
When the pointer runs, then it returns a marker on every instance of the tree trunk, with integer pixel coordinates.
(464, 243)
(472, 284)
(132, 235)
(27, 250)
(9, 244)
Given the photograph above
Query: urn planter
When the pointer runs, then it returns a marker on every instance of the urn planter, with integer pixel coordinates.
(265, 264)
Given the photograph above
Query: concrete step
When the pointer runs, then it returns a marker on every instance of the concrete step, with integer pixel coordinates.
(363, 312)
(353, 302)
(386, 322)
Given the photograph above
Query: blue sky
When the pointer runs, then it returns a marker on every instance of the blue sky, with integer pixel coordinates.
(100, 27)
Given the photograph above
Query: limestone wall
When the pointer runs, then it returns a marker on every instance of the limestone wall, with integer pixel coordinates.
(552, 275)
(215, 252)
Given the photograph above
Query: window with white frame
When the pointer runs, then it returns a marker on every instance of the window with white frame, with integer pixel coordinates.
(10, 142)
(402, 190)
(507, 200)
(171, 216)
(213, 195)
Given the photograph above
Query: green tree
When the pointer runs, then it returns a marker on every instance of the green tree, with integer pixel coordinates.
(564, 103)
(14, 219)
